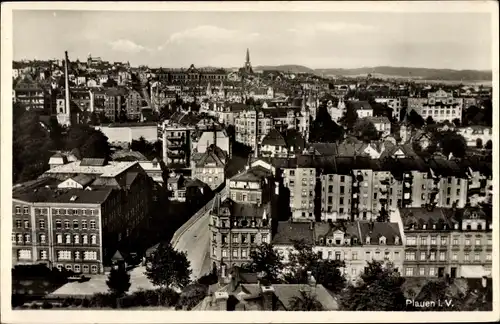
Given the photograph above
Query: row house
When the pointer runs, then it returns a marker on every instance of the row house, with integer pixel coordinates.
(251, 126)
(177, 144)
(476, 136)
(242, 221)
(114, 103)
(354, 243)
(32, 95)
(447, 242)
(133, 105)
(395, 103)
(439, 105)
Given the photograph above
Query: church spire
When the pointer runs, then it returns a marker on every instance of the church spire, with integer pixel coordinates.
(248, 57)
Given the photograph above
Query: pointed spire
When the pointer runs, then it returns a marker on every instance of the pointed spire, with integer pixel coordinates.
(248, 56)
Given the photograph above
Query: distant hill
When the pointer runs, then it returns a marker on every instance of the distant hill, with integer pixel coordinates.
(286, 68)
(420, 73)
(389, 71)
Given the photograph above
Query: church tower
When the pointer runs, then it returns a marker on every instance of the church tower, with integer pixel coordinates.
(248, 66)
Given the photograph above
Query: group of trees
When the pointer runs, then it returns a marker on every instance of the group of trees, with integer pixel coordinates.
(323, 129)
(149, 150)
(34, 142)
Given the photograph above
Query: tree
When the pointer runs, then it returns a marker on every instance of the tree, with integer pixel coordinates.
(349, 118)
(56, 133)
(456, 122)
(307, 301)
(365, 130)
(380, 289)
(489, 145)
(415, 119)
(267, 261)
(169, 267)
(430, 121)
(451, 142)
(90, 142)
(324, 129)
(440, 290)
(305, 260)
(118, 281)
(479, 143)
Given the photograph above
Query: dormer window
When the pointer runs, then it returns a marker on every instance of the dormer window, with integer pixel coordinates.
(367, 240)
(456, 226)
(424, 226)
(434, 226)
(355, 240)
(396, 240)
(381, 241)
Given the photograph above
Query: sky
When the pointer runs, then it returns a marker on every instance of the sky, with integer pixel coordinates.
(220, 39)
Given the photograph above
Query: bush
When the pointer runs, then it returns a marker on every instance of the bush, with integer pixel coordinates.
(168, 297)
(192, 295)
(34, 306)
(85, 303)
(46, 305)
(102, 300)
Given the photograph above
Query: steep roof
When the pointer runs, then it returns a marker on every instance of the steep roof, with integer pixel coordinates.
(288, 232)
(253, 174)
(213, 155)
(376, 230)
(274, 138)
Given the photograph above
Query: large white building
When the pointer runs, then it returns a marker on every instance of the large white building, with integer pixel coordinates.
(439, 105)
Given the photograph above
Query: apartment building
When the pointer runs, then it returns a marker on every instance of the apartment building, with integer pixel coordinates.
(133, 105)
(74, 224)
(382, 125)
(439, 105)
(243, 220)
(32, 95)
(209, 166)
(476, 136)
(251, 126)
(395, 103)
(354, 243)
(177, 145)
(471, 245)
(114, 104)
(447, 242)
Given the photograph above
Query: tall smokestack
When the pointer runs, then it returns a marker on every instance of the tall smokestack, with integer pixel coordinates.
(66, 84)
(257, 140)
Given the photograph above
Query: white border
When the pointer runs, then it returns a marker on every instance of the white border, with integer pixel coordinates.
(27, 316)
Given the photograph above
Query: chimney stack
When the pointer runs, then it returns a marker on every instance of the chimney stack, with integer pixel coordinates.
(66, 83)
(268, 297)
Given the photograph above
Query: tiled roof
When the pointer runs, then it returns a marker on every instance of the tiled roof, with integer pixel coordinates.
(438, 216)
(213, 154)
(288, 232)
(360, 105)
(250, 210)
(376, 230)
(73, 196)
(273, 138)
(254, 174)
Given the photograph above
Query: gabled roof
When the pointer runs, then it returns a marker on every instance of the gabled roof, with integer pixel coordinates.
(213, 154)
(273, 138)
(253, 174)
(376, 230)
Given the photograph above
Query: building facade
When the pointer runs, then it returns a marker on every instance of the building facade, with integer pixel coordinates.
(439, 105)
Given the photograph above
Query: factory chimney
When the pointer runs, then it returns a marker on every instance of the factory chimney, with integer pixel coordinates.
(66, 86)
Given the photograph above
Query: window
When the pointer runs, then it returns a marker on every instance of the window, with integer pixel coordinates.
(93, 239)
(18, 210)
(24, 254)
(43, 238)
(92, 224)
(367, 256)
(455, 241)
(341, 190)
(342, 178)
(488, 257)
(26, 210)
(66, 224)
(235, 238)
(443, 240)
(454, 257)
(43, 255)
(396, 255)
(58, 224)
(432, 272)
(224, 253)
(467, 241)
(41, 224)
(63, 255)
(466, 256)
(19, 224)
(478, 241)
(476, 257)
(386, 255)
(84, 224)
(68, 239)
(26, 224)
(85, 239)
(490, 241)
(432, 256)
(422, 272)
(409, 272)
(337, 255)
(75, 224)
(442, 256)
(422, 256)
(90, 255)
(59, 238)
(77, 255)
(76, 239)
(77, 268)
(264, 238)
(411, 240)
(235, 253)
(433, 240)
(93, 268)
(423, 240)
(27, 238)
(410, 256)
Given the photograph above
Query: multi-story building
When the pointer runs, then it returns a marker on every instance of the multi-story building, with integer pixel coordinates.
(382, 124)
(209, 166)
(177, 145)
(354, 243)
(251, 126)
(114, 104)
(362, 108)
(471, 245)
(75, 215)
(243, 220)
(447, 242)
(395, 103)
(439, 105)
(133, 102)
(32, 95)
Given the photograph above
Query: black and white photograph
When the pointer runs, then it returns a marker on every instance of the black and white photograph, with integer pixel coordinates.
(243, 156)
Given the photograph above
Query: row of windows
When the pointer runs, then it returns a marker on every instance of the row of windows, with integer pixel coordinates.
(76, 255)
(77, 268)
(244, 238)
(72, 211)
(235, 254)
(67, 224)
(410, 240)
(75, 239)
(411, 256)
